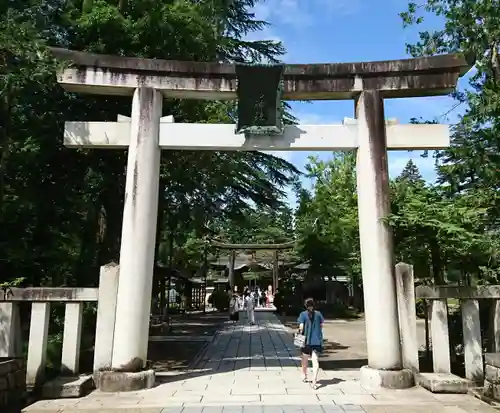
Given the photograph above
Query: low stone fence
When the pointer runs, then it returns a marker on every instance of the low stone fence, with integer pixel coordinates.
(492, 376)
(41, 299)
(12, 384)
(437, 296)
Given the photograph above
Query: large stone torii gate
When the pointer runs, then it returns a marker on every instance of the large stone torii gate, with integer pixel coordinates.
(146, 133)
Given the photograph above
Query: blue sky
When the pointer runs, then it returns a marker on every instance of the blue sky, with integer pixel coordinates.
(329, 31)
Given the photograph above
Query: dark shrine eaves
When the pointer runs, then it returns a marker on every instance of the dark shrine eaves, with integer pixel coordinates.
(421, 76)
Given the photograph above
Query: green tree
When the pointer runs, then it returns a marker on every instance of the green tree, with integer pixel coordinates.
(326, 219)
(469, 169)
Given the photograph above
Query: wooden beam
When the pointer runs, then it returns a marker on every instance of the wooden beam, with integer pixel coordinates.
(213, 137)
(224, 246)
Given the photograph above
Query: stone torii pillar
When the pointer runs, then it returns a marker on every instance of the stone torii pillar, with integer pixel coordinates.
(138, 233)
(230, 278)
(377, 261)
(275, 271)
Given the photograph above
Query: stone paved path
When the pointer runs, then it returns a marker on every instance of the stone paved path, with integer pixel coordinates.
(255, 370)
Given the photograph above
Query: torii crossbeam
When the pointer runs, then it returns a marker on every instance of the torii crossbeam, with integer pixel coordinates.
(149, 81)
(232, 256)
(222, 137)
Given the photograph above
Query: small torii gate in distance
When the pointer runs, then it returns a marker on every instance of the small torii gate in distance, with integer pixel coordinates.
(253, 247)
(146, 133)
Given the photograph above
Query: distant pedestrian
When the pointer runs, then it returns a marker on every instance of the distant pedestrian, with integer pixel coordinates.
(249, 306)
(234, 308)
(311, 326)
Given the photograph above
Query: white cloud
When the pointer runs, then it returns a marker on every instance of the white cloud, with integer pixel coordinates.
(303, 13)
(291, 12)
(341, 7)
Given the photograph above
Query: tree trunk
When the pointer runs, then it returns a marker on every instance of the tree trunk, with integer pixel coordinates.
(437, 264)
(159, 239)
(88, 246)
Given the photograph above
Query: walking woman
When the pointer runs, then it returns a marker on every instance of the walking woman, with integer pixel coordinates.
(249, 304)
(311, 326)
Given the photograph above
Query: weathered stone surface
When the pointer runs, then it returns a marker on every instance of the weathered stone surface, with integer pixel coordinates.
(492, 359)
(306, 70)
(5, 367)
(96, 73)
(43, 294)
(390, 379)
(12, 383)
(68, 387)
(442, 382)
(111, 381)
(492, 374)
(491, 390)
(451, 291)
(479, 393)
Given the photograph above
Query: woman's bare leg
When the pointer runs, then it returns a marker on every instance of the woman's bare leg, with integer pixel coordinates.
(305, 365)
(315, 363)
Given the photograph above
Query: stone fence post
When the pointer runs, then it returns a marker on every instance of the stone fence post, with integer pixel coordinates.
(106, 315)
(10, 330)
(407, 315)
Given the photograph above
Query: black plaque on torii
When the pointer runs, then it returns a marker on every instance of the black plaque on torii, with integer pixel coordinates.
(260, 90)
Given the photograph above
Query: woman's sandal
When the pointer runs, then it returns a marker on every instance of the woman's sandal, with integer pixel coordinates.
(315, 386)
(305, 380)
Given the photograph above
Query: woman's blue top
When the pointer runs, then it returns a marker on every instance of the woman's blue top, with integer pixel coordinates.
(312, 330)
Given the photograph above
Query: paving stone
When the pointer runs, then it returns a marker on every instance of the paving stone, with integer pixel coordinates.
(252, 409)
(290, 399)
(232, 409)
(212, 409)
(315, 408)
(292, 409)
(359, 399)
(192, 409)
(410, 409)
(332, 408)
(300, 391)
(172, 409)
(253, 370)
(272, 409)
(232, 398)
(245, 390)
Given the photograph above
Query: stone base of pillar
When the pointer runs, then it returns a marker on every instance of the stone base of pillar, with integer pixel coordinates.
(389, 379)
(114, 382)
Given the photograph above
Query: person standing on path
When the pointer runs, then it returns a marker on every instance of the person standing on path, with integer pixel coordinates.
(249, 304)
(234, 308)
(311, 326)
